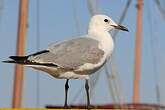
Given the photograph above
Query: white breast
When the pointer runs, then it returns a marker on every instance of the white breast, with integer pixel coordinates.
(105, 41)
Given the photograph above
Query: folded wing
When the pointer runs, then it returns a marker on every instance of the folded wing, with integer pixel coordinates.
(71, 54)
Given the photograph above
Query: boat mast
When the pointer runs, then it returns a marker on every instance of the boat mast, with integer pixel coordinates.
(138, 45)
(19, 70)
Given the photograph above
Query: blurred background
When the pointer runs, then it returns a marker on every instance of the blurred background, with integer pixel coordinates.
(52, 21)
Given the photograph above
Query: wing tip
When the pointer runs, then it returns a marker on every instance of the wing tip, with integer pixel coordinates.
(12, 57)
(8, 61)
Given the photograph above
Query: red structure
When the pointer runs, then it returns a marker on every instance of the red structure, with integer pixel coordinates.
(138, 45)
(19, 70)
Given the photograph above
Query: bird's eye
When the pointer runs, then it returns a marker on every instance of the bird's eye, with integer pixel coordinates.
(106, 20)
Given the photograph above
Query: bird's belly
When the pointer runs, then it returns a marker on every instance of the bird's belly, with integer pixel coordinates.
(50, 70)
(60, 74)
(72, 75)
(82, 72)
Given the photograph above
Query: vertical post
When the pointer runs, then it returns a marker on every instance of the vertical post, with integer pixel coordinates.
(19, 70)
(138, 45)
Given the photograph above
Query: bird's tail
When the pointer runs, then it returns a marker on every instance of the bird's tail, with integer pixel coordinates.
(17, 59)
(23, 60)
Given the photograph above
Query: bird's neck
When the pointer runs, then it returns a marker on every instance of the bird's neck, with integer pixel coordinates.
(105, 40)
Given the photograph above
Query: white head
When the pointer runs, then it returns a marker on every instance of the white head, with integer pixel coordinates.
(104, 23)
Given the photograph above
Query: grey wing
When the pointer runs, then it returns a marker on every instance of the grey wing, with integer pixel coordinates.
(71, 54)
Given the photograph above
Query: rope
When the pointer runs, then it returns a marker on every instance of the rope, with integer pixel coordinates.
(114, 83)
(1, 9)
(76, 17)
(122, 17)
(93, 82)
(93, 7)
(162, 11)
(117, 86)
(110, 85)
(155, 67)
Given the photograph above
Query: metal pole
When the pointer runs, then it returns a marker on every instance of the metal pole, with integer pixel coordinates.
(19, 70)
(138, 45)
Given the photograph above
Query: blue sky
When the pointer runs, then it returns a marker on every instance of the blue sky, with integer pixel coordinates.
(57, 22)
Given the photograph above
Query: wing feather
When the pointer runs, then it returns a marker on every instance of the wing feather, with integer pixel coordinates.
(72, 53)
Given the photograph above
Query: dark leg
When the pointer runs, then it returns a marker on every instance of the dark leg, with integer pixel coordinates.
(87, 92)
(66, 93)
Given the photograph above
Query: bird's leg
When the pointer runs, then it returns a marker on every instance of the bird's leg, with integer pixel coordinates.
(66, 93)
(87, 92)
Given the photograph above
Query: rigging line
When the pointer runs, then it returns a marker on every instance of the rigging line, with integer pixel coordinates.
(38, 47)
(93, 7)
(111, 90)
(94, 82)
(77, 95)
(154, 58)
(162, 11)
(114, 37)
(117, 83)
(122, 17)
(155, 68)
(77, 22)
(1, 9)
(114, 87)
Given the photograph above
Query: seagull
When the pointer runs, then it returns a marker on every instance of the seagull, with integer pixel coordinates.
(76, 58)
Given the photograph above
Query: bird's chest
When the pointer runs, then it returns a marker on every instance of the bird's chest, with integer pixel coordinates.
(105, 42)
(107, 46)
